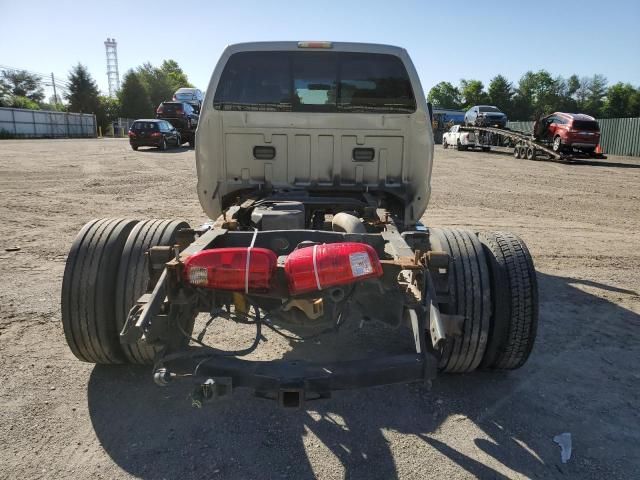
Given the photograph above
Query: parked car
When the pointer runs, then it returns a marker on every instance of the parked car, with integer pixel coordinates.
(192, 96)
(153, 133)
(461, 139)
(566, 131)
(485, 116)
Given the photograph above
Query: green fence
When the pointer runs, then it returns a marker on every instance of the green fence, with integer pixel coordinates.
(619, 136)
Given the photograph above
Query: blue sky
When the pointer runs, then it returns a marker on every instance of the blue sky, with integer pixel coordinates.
(447, 40)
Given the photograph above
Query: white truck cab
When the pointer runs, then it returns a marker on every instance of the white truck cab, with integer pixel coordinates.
(320, 116)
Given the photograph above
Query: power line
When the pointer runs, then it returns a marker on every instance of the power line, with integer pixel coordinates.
(45, 78)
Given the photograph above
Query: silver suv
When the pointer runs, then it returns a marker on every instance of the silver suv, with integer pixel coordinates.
(485, 116)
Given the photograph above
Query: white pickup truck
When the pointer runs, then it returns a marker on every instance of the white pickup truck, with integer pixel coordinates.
(462, 139)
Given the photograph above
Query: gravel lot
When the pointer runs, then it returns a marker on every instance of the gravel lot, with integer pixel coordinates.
(60, 418)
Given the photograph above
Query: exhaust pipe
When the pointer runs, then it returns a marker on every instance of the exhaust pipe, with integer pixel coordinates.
(348, 223)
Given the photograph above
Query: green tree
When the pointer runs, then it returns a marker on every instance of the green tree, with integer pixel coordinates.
(501, 94)
(108, 111)
(473, 93)
(619, 101)
(156, 83)
(20, 83)
(573, 85)
(538, 93)
(23, 102)
(444, 95)
(53, 105)
(176, 77)
(596, 90)
(133, 96)
(565, 101)
(5, 93)
(634, 104)
(82, 91)
(162, 82)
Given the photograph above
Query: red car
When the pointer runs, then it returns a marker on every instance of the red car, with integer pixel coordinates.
(568, 131)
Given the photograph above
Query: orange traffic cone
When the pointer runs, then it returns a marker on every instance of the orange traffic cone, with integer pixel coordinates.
(598, 149)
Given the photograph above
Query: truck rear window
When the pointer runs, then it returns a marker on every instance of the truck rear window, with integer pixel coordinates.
(588, 125)
(315, 82)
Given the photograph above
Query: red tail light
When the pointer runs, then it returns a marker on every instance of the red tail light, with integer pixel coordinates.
(237, 268)
(156, 134)
(131, 133)
(332, 264)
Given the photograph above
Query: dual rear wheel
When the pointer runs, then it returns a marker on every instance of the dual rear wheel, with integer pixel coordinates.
(105, 274)
(492, 284)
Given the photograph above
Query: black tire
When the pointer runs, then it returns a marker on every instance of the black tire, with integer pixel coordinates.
(178, 140)
(135, 147)
(88, 290)
(523, 151)
(163, 144)
(486, 149)
(470, 296)
(460, 147)
(557, 144)
(515, 300)
(531, 153)
(445, 145)
(516, 152)
(192, 141)
(133, 278)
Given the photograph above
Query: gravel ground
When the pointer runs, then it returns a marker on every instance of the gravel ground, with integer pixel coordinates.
(60, 418)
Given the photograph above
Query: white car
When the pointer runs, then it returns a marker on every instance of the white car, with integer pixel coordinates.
(461, 139)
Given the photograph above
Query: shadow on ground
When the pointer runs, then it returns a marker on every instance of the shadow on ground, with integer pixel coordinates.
(487, 424)
(585, 162)
(170, 149)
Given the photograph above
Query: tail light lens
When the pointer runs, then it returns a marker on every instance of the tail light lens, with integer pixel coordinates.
(329, 265)
(132, 133)
(236, 269)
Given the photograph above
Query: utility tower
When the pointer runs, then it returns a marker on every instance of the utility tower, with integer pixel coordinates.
(113, 75)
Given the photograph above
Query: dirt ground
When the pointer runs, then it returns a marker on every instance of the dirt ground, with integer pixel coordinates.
(60, 418)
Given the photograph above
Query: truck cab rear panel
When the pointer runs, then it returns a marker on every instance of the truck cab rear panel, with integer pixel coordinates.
(365, 144)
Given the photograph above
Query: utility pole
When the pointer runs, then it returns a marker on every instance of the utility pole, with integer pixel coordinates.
(55, 94)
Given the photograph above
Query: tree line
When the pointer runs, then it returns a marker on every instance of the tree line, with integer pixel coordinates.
(539, 93)
(142, 90)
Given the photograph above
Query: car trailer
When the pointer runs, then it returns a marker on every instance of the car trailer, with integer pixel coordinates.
(526, 146)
